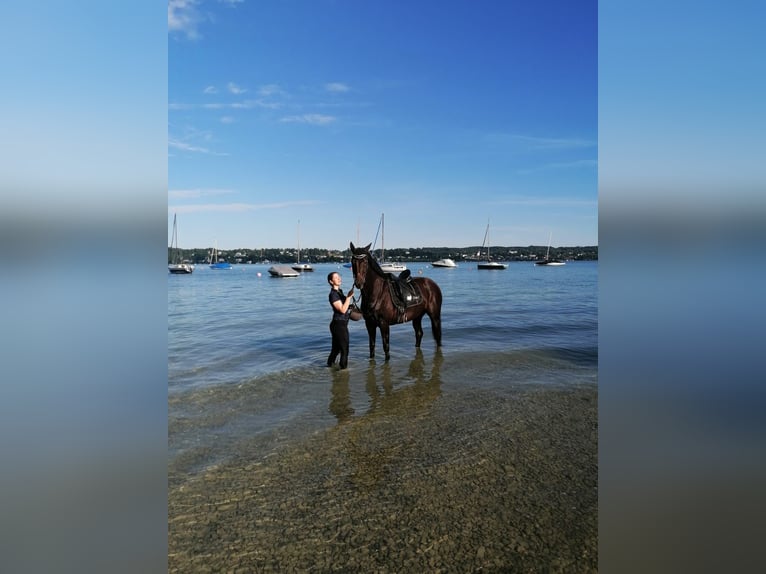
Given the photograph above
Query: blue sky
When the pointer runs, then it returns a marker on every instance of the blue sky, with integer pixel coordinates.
(440, 114)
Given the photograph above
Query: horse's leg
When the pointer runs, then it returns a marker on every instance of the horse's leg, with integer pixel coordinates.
(371, 334)
(417, 324)
(436, 325)
(384, 335)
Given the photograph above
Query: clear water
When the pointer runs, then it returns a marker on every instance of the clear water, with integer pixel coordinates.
(247, 352)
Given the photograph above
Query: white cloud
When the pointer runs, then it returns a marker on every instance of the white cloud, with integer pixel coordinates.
(312, 119)
(227, 120)
(196, 193)
(270, 90)
(336, 87)
(184, 17)
(541, 143)
(555, 143)
(183, 146)
(235, 89)
(237, 207)
(575, 164)
(243, 105)
(262, 104)
(210, 90)
(546, 202)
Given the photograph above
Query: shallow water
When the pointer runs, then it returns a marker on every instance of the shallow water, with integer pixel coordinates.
(246, 353)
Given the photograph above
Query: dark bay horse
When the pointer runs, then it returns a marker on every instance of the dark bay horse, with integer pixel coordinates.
(379, 308)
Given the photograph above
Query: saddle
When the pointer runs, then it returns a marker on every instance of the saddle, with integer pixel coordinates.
(404, 292)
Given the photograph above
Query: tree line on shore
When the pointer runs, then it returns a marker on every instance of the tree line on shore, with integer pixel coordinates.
(411, 254)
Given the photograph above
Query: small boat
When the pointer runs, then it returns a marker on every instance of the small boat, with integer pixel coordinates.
(176, 266)
(283, 271)
(548, 262)
(215, 264)
(300, 267)
(393, 267)
(446, 262)
(489, 264)
(387, 266)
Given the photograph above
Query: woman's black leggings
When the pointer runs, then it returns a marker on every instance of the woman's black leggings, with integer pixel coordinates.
(339, 331)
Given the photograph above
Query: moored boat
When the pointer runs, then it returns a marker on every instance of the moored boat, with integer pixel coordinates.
(488, 263)
(387, 266)
(283, 271)
(215, 264)
(298, 266)
(176, 266)
(548, 261)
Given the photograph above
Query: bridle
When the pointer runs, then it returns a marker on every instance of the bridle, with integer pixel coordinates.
(359, 257)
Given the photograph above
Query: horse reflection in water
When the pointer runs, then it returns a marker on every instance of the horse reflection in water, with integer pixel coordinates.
(375, 446)
(413, 393)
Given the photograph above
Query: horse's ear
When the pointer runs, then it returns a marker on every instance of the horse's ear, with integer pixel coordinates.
(351, 245)
(368, 247)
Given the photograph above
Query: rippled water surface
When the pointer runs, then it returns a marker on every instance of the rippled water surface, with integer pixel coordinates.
(246, 351)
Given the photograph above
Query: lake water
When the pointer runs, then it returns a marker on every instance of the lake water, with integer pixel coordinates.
(247, 351)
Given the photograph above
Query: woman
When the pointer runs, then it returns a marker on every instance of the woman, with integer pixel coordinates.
(340, 304)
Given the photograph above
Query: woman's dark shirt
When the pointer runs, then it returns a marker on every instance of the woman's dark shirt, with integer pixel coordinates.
(337, 295)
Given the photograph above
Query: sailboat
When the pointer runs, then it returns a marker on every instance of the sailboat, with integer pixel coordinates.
(390, 266)
(298, 265)
(489, 264)
(176, 266)
(548, 261)
(215, 264)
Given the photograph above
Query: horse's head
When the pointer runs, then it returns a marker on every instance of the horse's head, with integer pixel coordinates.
(360, 263)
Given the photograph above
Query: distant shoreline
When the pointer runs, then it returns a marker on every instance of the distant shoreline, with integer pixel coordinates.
(409, 255)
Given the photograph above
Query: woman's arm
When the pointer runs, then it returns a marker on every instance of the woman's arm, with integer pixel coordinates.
(343, 307)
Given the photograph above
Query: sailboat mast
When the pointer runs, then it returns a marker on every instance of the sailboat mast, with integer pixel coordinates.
(382, 236)
(550, 236)
(486, 239)
(173, 241)
(299, 241)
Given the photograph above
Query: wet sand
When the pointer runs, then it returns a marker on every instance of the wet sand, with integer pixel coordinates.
(469, 481)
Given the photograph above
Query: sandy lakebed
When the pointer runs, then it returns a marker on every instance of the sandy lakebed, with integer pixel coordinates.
(481, 480)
